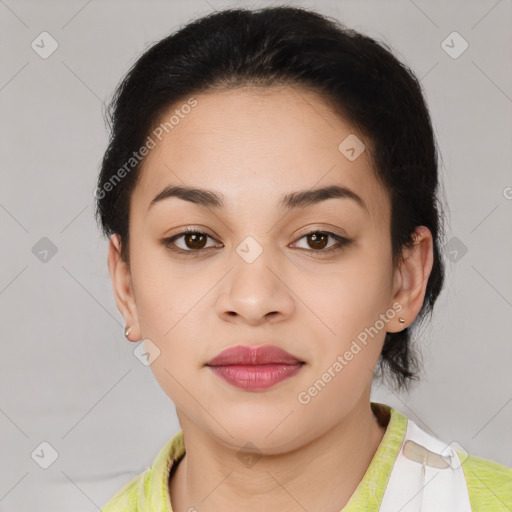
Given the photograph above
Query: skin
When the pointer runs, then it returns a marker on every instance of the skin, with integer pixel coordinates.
(253, 146)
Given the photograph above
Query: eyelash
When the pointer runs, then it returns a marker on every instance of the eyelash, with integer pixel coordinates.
(341, 242)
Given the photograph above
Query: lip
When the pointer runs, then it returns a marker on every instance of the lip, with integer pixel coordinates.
(245, 355)
(254, 368)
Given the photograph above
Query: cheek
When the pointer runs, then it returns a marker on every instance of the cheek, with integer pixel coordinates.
(349, 305)
(169, 305)
(162, 289)
(351, 297)
(171, 314)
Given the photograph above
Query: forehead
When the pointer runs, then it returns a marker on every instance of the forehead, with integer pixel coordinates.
(260, 143)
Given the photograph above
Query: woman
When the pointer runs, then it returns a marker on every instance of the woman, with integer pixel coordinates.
(270, 194)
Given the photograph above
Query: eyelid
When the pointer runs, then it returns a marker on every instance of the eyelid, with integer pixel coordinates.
(331, 230)
(185, 231)
(341, 241)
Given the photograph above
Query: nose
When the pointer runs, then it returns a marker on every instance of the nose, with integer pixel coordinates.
(254, 293)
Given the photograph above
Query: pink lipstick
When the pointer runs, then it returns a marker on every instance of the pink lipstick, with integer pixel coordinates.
(255, 368)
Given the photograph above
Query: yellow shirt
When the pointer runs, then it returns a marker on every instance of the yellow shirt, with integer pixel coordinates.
(489, 483)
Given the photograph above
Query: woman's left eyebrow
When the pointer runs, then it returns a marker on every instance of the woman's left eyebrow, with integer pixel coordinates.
(292, 200)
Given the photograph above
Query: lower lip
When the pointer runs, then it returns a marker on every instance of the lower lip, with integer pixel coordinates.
(256, 377)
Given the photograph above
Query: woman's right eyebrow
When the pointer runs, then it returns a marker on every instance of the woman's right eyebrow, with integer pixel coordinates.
(292, 200)
(199, 196)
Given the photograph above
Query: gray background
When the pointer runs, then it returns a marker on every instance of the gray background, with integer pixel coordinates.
(67, 374)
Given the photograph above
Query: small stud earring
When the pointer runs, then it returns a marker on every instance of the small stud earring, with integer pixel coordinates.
(127, 331)
(401, 320)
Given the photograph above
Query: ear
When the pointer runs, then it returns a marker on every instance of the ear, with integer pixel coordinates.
(411, 278)
(121, 281)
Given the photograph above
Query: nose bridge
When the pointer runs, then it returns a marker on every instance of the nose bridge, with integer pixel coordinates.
(252, 260)
(254, 287)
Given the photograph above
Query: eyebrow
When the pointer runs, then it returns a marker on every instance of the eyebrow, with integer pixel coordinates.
(299, 199)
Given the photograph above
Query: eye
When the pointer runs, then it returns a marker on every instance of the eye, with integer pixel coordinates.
(193, 241)
(318, 241)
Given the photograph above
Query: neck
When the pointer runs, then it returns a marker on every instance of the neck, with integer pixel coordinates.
(321, 475)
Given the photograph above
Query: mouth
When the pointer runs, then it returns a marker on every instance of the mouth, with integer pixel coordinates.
(261, 355)
(255, 368)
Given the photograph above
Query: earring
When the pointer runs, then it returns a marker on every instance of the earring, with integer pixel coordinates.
(127, 330)
(401, 320)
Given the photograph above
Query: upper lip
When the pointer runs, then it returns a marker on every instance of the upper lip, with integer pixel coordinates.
(245, 355)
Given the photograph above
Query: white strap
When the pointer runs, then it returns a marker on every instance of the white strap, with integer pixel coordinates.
(426, 477)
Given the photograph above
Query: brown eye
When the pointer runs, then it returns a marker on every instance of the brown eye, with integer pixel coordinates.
(195, 240)
(317, 242)
(188, 241)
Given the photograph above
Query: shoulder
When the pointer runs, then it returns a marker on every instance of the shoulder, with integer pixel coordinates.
(126, 499)
(151, 484)
(489, 484)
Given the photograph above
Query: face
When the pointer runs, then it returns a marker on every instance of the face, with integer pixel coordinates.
(258, 271)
